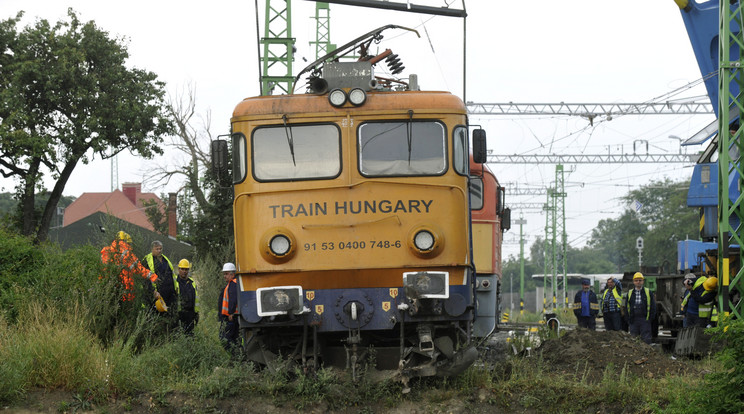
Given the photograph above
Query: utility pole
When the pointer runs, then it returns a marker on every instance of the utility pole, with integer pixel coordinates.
(560, 212)
(546, 249)
(521, 223)
(114, 172)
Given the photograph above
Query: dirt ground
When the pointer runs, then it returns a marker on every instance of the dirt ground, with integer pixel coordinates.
(587, 353)
(583, 353)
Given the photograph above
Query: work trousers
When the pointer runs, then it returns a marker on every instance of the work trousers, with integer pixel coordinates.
(188, 320)
(639, 325)
(229, 336)
(613, 321)
(587, 322)
(692, 319)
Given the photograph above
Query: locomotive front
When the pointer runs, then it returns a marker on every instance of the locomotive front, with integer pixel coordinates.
(352, 228)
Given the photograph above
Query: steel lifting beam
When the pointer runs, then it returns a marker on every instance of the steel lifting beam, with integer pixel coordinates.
(406, 7)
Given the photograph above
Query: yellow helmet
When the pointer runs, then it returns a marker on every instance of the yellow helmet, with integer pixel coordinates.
(161, 306)
(638, 275)
(710, 283)
(184, 264)
(123, 236)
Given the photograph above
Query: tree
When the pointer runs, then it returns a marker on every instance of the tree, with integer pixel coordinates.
(204, 204)
(614, 240)
(662, 221)
(66, 95)
(156, 215)
(665, 213)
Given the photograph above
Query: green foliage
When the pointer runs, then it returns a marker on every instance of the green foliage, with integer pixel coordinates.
(663, 220)
(16, 363)
(724, 389)
(615, 239)
(208, 227)
(667, 217)
(155, 215)
(10, 209)
(50, 348)
(68, 90)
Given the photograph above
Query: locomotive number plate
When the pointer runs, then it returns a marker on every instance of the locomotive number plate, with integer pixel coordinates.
(353, 245)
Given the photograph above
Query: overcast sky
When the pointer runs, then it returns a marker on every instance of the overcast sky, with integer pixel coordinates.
(521, 51)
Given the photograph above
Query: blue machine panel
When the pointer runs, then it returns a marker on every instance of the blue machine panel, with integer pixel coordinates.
(688, 255)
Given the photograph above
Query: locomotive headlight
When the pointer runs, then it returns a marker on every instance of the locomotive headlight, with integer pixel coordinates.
(277, 245)
(280, 245)
(357, 96)
(423, 240)
(337, 97)
(279, 300)
(426, 284)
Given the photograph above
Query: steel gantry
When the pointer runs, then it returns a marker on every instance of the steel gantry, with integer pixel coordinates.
(593, 110)
(322, 40)
(278, 48)
(591, 158)
(731, 102)
(556, 241)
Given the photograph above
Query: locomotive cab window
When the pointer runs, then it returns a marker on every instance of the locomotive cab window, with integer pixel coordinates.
(402, 148)
(239, 157)
(460, 152)
(296, 152)
(476, 193)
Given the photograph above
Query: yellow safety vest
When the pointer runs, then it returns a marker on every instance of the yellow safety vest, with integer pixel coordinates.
(151, 265)
(617, 296)
(648, 302)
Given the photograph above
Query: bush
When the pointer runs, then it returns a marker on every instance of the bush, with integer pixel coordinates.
(19, 264)
(724, 390)
(15, 364)
(50, 348)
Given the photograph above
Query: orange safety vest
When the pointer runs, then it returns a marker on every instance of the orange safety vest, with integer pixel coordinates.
(120, 254)
(225, 299)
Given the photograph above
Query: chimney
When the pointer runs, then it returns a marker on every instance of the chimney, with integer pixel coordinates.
(172, 224)
(132, 191)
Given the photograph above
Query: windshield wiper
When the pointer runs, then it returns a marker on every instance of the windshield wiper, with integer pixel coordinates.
(409, 134)
(290, 139)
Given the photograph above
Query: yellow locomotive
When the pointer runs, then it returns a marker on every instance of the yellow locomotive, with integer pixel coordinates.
(352, 223)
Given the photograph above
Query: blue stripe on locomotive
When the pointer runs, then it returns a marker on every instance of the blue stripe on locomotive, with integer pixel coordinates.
(372, 315)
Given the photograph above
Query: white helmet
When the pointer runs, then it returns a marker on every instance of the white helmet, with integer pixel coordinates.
(229, 267)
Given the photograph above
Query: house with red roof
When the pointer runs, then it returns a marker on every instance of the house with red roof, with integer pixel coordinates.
(126, 204)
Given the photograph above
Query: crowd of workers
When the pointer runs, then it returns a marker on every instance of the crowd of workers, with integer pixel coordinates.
(171, 295)
(174, 296)
(636, 309)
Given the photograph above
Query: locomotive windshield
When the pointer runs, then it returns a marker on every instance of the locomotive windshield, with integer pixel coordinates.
(296, 152)
(402, 148)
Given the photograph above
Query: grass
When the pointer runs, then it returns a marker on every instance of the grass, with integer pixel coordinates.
(63, 327)
(67, 356)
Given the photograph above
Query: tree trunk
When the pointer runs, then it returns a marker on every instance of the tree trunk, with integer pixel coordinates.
(28, 198)
(51, 205)
(201, 199)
